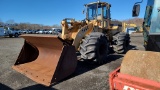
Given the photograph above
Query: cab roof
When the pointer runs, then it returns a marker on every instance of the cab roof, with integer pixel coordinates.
(105, 3)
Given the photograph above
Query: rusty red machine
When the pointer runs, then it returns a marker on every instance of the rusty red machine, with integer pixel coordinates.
(140, 70)
(144, 75)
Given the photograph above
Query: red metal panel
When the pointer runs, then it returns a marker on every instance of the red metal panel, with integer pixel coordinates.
(120, 81)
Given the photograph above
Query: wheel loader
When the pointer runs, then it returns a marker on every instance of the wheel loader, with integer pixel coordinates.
(140, 70)
(48, 59)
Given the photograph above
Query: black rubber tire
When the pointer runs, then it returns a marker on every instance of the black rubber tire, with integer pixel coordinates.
(94, 47)
(10, 36)
(121, 42)
(16, 35)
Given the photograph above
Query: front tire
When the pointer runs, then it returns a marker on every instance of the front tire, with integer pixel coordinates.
(94, 47)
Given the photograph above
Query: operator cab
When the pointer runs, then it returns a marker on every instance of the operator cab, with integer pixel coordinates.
(98, 11)
(152, 20)
(151, 17)
(151, 25)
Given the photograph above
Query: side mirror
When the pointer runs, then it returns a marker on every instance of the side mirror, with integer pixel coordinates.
(158, 9)
(136, 10)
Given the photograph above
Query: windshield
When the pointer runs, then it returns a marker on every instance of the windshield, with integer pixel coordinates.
(148, 13)
(94, 13)
(155, 21)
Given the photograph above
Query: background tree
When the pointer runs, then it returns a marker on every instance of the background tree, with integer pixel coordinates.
(56, 26)
(11, 21)
(1, 23)
(137, 21)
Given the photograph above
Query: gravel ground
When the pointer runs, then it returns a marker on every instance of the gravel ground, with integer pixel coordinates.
(86, 77)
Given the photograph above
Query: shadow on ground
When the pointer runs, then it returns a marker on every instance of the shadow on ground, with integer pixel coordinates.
(33, 87)
(132, 47)
(84, 66)
(4, 87)
(4, 37)
(37, 87)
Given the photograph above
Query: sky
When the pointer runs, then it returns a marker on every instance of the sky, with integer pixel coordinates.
(50, 12)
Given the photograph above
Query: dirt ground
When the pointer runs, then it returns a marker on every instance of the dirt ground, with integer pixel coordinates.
(86, 77)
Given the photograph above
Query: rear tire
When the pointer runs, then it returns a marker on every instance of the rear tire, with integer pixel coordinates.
(121, 42)
(94, 47)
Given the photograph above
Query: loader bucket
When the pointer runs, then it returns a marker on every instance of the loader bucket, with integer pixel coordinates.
(46, 59)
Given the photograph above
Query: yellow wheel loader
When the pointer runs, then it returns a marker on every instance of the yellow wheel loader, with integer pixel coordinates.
(49, 59)
(140, 70)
